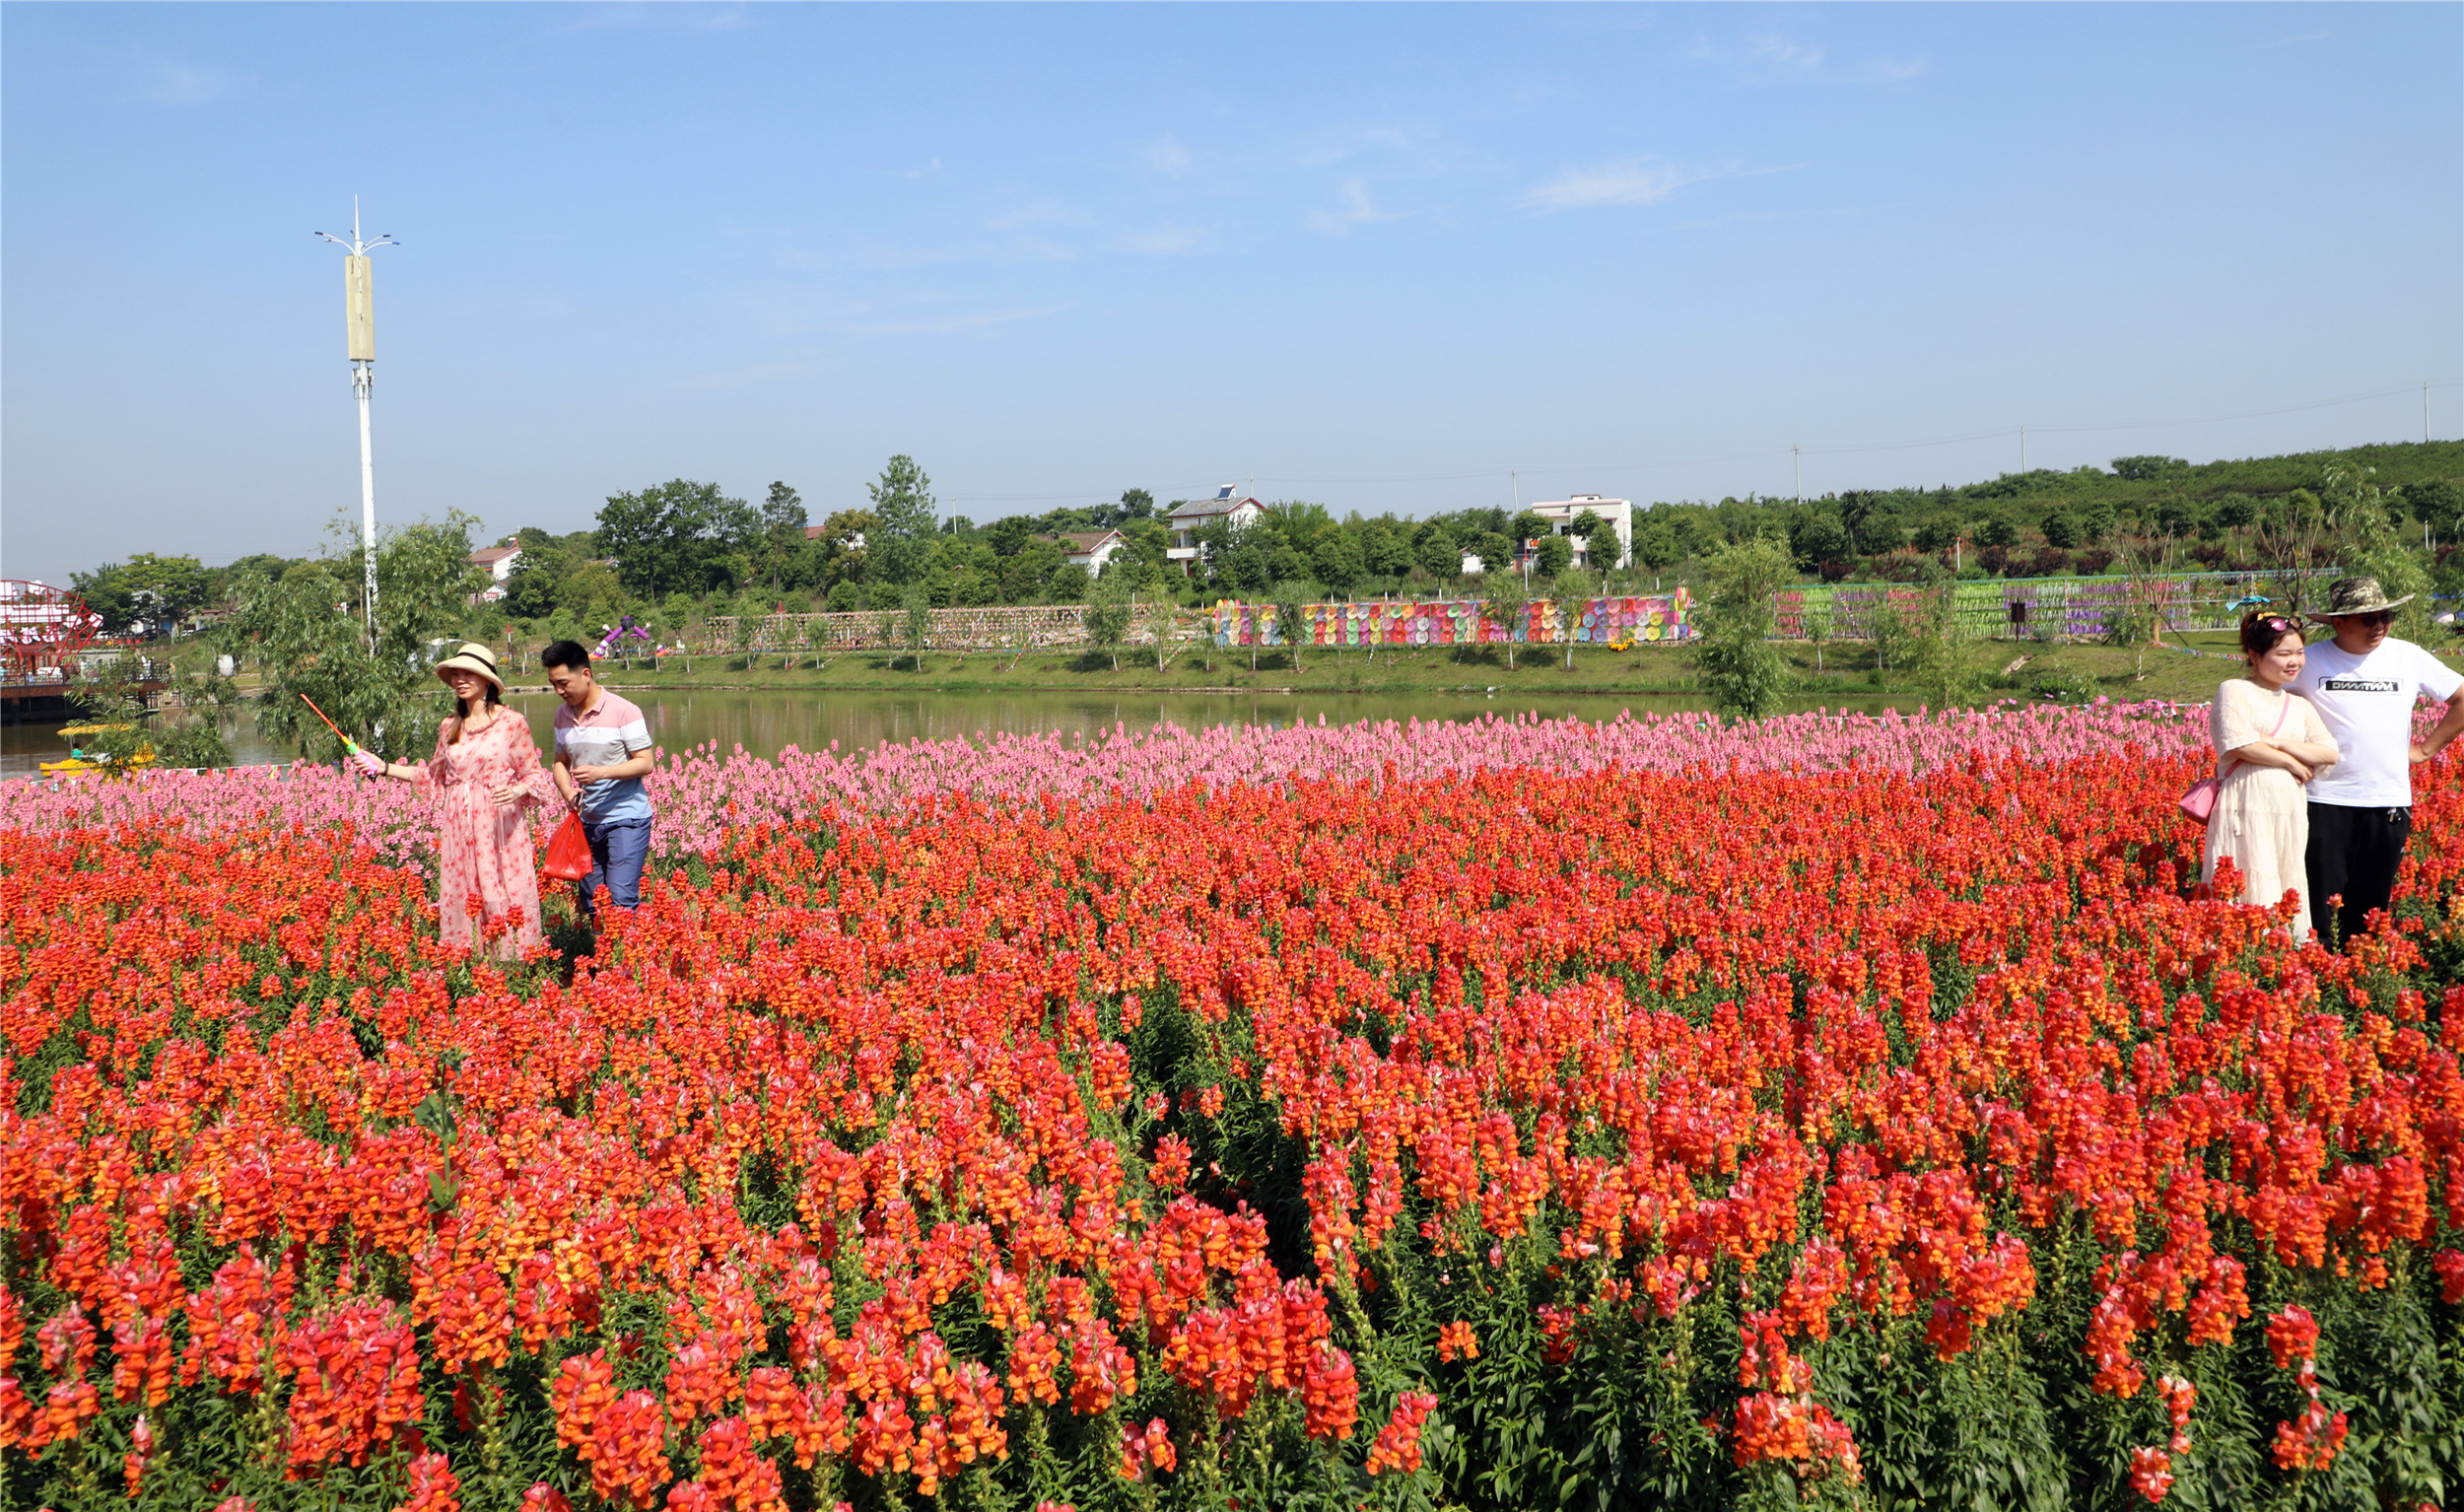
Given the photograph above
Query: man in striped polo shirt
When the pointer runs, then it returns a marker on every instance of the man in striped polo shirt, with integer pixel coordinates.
(602, 753)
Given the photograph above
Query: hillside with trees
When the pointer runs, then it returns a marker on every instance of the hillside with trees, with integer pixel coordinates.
(672, 552)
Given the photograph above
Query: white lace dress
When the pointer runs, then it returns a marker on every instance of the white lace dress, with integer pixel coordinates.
(2262, 817)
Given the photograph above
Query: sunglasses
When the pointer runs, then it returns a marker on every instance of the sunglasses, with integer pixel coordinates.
(2374, 617)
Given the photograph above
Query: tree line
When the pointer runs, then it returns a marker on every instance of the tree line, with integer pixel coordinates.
(673, 552)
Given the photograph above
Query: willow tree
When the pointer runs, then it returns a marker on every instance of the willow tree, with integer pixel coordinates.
(1740, 668)
(307, 629)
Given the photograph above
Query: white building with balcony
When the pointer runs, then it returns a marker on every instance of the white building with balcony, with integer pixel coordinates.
(1191, 515)
(1619, 513)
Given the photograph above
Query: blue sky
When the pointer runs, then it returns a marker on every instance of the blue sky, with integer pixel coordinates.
(1377, 257)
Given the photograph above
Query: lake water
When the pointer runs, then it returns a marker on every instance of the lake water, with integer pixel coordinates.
(765, 723)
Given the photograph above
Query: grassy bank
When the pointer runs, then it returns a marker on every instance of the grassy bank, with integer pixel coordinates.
(1845, 671)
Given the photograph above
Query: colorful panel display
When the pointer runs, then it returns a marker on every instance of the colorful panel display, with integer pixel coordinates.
(1460, 622)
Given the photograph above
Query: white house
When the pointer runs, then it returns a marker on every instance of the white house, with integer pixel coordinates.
(498, 561)
(854, 541)
(1619, 512)
(1090, 549)
(1191, 515)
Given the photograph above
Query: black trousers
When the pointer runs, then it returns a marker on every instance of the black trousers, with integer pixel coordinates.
(2353, 851)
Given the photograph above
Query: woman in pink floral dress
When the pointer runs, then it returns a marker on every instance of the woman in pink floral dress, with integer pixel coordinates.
(485, 776)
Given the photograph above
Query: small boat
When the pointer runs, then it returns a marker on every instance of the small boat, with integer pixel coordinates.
(82, 760)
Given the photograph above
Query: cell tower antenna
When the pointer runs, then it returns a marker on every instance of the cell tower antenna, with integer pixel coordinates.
(360, 325)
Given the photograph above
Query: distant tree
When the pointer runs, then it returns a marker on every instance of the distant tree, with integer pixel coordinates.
(1817, 537)
(1857, 508)
(2369, 542)
(1248, 566)
(1300, 521)
(1571, 591)
(672, 537)
(1656, 548)
(1440, 557)
(1601, 548)
(915, 623)
(1008, 534)
(1136, 504)
(1495, 552)
(2140, 470)
(2438, 503)
(783, 515)
(2061, 529)
(1740, 668)
(903, 502)
(1291, 618)
(1998, 528)
(153, 590)
(1386, 552)
(1336, 559)
(1107, 614)
(386, 698)
(1506, 604)
(1068, 585)
(530, 591)
(1556, 554)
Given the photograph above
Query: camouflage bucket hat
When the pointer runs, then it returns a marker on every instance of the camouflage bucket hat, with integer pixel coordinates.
(2357, 596)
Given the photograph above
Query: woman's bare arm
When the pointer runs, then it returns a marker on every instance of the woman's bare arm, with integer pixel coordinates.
(2263, 753)
(2318, 755)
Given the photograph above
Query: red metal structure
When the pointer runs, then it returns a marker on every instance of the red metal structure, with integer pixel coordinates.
(43, 631)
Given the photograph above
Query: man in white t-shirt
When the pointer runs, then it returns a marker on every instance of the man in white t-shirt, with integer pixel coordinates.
(2363, 683)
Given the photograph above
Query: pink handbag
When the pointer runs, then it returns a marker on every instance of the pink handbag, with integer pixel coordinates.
(2198, 804)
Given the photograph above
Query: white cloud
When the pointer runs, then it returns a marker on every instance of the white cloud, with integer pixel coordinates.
(1168, 156)
(1768, 58)
(1637, 182)
(972, 322)
(1165, 241)
(1640, 181)
(1031, 214)
(1357, 211)
(682, 18)
(927, 171)
(171, 82)
(1776, 53)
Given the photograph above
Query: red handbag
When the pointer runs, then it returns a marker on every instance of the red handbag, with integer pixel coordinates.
(569, 851)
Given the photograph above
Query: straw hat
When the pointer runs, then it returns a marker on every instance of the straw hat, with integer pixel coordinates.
(473, 657)
(2357, 596)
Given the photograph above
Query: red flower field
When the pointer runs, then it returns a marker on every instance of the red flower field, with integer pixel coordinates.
(1508, 1140)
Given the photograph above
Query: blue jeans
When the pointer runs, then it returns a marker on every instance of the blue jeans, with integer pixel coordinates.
(617, 854)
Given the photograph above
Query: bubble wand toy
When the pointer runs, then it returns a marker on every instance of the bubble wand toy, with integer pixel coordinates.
(349, 747)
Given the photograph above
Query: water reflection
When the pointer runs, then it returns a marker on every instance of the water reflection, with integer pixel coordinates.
(767, 723)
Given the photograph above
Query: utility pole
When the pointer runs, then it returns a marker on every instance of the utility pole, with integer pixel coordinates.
(2022, 447)
(360, 322)
(2425, 412)
(1797, 464)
